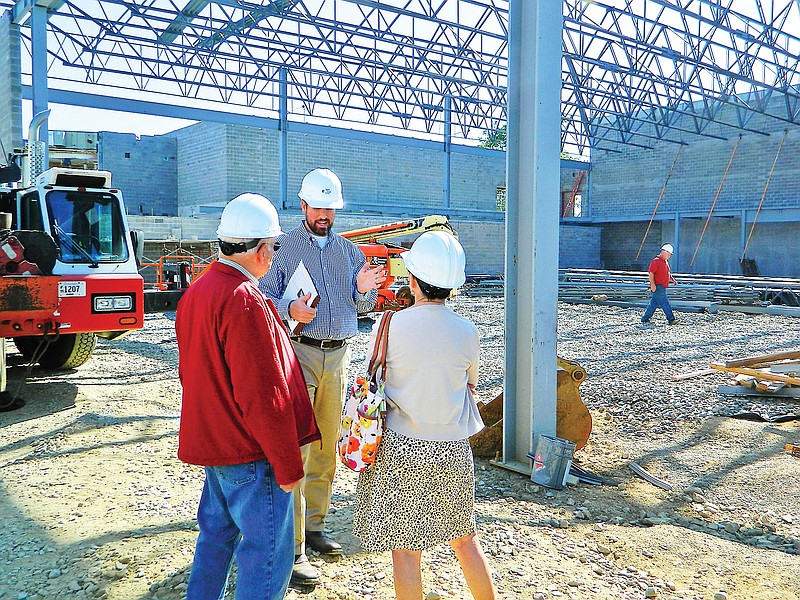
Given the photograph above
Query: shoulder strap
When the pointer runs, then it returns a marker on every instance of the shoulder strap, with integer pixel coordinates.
(378, 358)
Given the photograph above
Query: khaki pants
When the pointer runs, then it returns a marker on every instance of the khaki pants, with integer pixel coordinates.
(325, 372)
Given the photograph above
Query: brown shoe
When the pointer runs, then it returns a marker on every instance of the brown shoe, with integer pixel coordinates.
(303, 573)
(317, 540)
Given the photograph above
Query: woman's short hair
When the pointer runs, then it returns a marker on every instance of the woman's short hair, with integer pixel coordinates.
(432, 292)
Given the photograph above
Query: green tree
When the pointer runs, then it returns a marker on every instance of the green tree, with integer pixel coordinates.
(494, 139)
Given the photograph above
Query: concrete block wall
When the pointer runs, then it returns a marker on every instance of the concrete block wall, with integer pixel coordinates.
(144, 168)
(483, 241)
(474, 179)
(216, 162)
(619, 245)
(252, 162)
(630, 183)
(626, 187)
(579, 247)
(10, 84)
(770, 248)
(202, 166)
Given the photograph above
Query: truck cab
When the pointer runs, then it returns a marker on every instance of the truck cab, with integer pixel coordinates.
(92, 267)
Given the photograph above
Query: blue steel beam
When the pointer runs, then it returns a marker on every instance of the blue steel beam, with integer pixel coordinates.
(182, 19)
(632, 72)
(22, 9)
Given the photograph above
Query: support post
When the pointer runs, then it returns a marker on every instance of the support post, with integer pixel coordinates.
(532, 211)
(743, 238)
(283, 139)
(447, 148)
(39, 74)
(676, 242)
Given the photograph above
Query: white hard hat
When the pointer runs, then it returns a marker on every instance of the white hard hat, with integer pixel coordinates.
(322, 189)
(667, 248)
(249, 216)
(437, 258)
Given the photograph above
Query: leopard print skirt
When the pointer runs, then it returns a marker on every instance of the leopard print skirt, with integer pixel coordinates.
(419, 494)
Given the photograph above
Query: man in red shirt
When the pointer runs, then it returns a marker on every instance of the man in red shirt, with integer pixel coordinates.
(660, 278)
(245, 412)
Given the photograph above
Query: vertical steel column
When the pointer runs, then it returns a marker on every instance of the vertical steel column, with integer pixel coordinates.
(743, 242)
(448, 118)
(676, 243)
(532, 211)
(283, 139)
(39, 74)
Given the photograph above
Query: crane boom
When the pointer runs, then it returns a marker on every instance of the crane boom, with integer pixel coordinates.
(382, 232)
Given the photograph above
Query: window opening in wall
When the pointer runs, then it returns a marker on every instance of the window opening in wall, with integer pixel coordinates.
(500, 198)
(573, 209)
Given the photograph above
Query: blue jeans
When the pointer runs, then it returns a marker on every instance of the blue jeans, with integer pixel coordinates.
(658, 300)
(244, 512)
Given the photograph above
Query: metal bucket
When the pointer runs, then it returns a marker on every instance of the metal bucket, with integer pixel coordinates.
(551, 461)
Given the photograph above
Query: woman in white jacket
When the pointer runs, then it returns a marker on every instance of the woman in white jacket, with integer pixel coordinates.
(421, 491)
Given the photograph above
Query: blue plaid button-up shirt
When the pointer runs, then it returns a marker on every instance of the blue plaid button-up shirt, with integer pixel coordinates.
(333, 270)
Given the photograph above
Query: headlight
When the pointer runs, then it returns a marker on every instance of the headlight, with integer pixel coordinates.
(113, 303)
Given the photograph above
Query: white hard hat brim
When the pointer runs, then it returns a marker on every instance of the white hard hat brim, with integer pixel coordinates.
(320, 205)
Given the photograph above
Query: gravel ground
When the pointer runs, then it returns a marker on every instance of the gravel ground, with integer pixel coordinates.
(94, 503)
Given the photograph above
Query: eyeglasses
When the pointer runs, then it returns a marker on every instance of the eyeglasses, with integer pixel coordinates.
(275, 246)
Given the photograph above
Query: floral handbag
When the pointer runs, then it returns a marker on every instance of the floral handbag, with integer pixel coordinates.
(365, 409)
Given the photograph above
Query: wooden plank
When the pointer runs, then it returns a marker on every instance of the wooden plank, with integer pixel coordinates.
(692, 374)
(762, 359)
(757, 374)
(738, 390)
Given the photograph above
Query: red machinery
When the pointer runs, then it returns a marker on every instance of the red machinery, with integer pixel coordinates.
(390, 295)
(67, 267)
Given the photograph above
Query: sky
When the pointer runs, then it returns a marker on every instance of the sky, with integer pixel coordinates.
(78, 118)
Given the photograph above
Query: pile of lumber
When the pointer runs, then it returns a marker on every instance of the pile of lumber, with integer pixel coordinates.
(771, 374)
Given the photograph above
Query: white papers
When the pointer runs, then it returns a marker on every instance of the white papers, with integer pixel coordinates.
(299, 285)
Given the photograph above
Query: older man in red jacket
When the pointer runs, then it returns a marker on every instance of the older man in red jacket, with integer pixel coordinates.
(245, 412)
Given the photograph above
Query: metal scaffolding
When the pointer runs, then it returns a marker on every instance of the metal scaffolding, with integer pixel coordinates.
(633, 72)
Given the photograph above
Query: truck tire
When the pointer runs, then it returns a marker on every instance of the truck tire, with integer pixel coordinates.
(69, 351)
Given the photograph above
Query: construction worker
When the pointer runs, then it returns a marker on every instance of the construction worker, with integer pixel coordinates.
(247, 440)
(660, 277)
(344, 287)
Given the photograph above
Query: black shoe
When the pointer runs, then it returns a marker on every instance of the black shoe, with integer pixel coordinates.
(317, 540)
(673, 322)
(303, 573)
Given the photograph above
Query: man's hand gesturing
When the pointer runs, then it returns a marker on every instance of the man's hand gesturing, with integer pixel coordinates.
(369, 279)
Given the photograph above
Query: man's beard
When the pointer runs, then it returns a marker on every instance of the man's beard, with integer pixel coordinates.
(320, 230)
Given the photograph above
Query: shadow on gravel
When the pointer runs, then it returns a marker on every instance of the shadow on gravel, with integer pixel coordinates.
(41, 398)
(558, 508)
(165, 350)
(30, 549)
(88, 421)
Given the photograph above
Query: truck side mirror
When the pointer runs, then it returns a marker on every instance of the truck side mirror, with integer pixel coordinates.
(10, 173)
(137, 239)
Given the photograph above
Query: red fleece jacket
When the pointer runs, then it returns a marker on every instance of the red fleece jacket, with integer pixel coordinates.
(244, 395)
